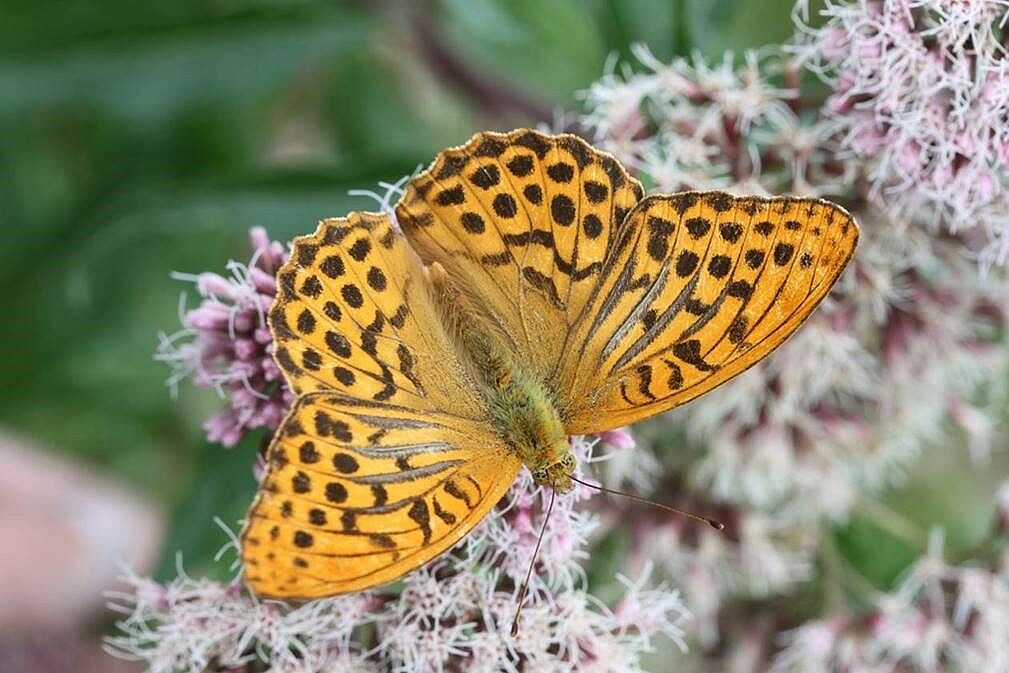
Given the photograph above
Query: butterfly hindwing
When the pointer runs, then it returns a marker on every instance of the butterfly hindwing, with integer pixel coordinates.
(361, 492)
(521, 221)
(699, 287)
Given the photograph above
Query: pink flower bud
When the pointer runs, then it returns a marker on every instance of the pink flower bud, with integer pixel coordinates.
(619, 438)
(245, 321)
(270, 370)
(259, 241)
(209, 316)
(246, 349)
(262, 335)
(263, 282)
(214, 285)
(242, 397)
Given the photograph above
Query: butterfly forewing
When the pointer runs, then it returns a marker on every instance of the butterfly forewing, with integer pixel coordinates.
(521, 221)
(700, 286)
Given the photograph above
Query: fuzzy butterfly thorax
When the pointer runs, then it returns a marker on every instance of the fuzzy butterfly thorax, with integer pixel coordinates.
(522, 407)
(526, 290)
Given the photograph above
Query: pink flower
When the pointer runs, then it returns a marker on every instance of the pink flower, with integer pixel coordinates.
(225, 344)
(928, 74)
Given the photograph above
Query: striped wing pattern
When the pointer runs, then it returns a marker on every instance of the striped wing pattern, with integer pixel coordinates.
(360, 492)
(699, 287)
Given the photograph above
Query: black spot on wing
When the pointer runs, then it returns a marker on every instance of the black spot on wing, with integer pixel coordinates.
(595, 192)
(698, 226)
(453, 196)
(561, 172)
(336, 493)
(520, 165)
(533, 194)
(490, 147)
(420, 514)
(504, 205)
(535, 142)
(686, 263)
(578, 148)
(682, 201)
(306, 253)
(451, 166)
(472, 222)
(719, 201)
(731, 231)
(562, 210)
(690, 352)
(783, 253)
(485, 176)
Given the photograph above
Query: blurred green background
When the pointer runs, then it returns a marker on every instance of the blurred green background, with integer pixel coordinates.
(141, 138)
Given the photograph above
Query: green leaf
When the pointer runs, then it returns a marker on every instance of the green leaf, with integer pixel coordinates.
(146, 76)
(717, 26)
(223, 487)
(656, 23)
(549, 49)
(874, 552)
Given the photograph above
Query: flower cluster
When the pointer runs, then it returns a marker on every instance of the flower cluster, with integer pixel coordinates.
(920, 93)
(891, 362)
(940, 618)
(910, 349)
(452, 615)
(226, 345)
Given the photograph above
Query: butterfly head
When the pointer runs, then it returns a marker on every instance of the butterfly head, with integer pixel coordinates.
(556, 474)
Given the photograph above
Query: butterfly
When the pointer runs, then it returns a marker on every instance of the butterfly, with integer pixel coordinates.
(525, 290)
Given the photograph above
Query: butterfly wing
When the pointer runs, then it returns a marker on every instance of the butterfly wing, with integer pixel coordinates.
(622, 317)
(388, 457)
(354, 314)
(521, 222)
(360, 492)
(698, 287)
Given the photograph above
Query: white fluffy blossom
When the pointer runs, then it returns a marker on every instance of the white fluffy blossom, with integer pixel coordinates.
(451, 615)
(940, 618)
(892, 362)
(919, 92)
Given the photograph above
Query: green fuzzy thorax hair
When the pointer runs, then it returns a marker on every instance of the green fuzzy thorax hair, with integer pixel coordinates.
(524, 413)
(521, 406)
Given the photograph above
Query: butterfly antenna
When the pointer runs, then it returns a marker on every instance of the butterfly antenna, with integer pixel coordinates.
(714, 523)
(532, 563)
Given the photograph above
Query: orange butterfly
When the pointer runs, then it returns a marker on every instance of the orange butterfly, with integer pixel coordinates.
(534, 293)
